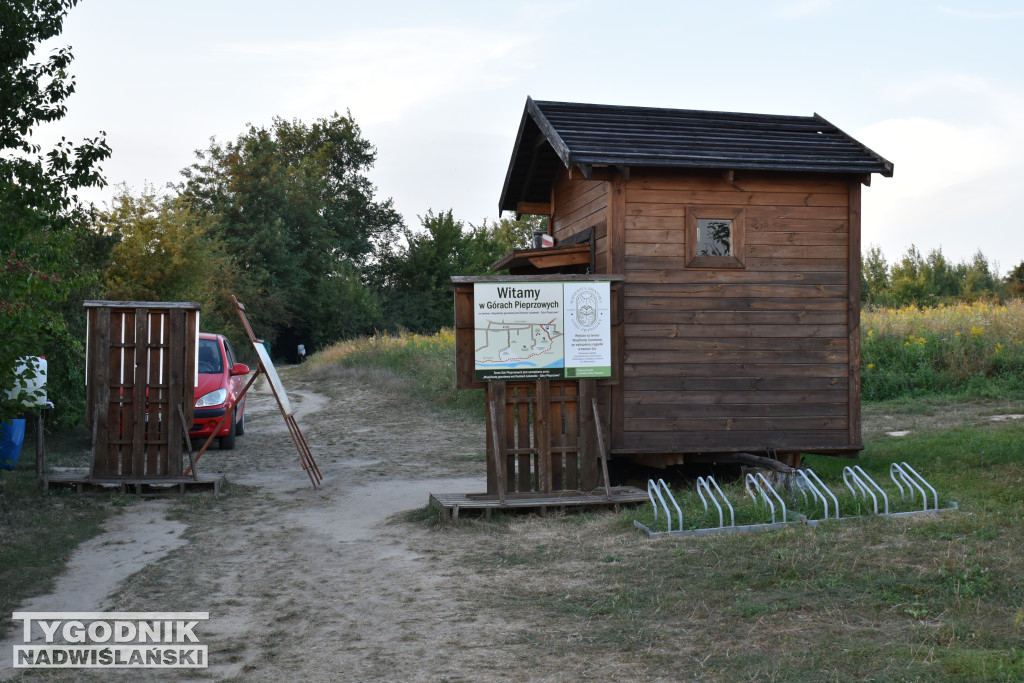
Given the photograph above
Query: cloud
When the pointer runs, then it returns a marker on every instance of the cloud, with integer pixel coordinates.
(956, 176)
(972, 14)
(383, 74)
(804, 8)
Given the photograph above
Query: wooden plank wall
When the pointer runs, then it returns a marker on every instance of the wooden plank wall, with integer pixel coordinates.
(577, 205)
(739, 359)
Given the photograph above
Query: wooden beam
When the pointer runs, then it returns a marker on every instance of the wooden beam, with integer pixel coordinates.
(853, 318)
(729, 176)
(533, 208)
(586, 170)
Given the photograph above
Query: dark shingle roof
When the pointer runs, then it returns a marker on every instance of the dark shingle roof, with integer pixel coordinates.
(555, 135)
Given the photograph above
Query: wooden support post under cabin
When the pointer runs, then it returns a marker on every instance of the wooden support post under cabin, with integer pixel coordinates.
(542, 435)
(496, 403)
(587, 436)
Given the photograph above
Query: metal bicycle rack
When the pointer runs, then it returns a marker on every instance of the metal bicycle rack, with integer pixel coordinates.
(765, 496)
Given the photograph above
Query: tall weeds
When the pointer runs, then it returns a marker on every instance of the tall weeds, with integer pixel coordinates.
(972, 349)
(426, 361)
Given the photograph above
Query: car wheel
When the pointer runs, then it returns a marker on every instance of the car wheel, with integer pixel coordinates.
(240, 427)
(227, 442)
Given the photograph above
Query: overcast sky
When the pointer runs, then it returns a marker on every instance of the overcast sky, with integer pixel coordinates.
(439, 88)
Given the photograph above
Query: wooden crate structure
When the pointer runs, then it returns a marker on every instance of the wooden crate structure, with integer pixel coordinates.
(546, 442)
(756, 350)
(140, 386)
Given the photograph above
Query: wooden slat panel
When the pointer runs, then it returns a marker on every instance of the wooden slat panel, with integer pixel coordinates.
(691, 289)
(762, 386)
(726, 357)
(586, 436)
(570, 439)
(696, 441)
(797, 239)
(542, 429)
(637, 263)
(676, 323)
(836, 226)
(669, 276)
(685, 400)
(172, 451)
(523, 442)
(635, 305)
(644, 233)
(157, 403)
(557, 442)
(735, 411)
(763, 331)
(709, 425)
(772, 251)
(121, 392)
(742, 181)
(854, 321)
(509, 464)
(805, 212)
(100, 380)
(138, 362)
(666, 249)
(702, 345)
(492, 471)
(664, 210)
(738, 198)
(737, 370)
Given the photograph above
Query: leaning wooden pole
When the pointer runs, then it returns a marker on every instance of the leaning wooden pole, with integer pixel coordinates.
(600, 449)
(267, 367)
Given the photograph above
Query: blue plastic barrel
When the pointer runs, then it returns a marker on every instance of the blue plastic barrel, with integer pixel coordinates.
(12, 435)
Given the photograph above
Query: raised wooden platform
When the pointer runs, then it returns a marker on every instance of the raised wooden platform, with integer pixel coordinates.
(143, 487)
(451, 503)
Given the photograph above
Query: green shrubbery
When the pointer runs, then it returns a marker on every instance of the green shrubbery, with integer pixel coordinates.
(972, 349)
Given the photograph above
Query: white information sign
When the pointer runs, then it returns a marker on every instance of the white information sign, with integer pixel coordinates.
(588, 351)
(541, 330)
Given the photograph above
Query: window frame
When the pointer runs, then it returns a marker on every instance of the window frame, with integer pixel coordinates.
(735, 214)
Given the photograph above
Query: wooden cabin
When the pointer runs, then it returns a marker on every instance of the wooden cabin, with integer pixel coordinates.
(735, 243)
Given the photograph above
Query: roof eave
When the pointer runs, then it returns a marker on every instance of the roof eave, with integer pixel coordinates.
(886, 167)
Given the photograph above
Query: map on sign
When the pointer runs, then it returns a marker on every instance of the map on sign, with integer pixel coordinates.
(518, 331)
(541, 330)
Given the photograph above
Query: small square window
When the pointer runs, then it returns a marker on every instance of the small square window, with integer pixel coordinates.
(714, 237)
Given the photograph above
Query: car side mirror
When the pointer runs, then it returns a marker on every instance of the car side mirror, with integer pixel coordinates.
(239, 369)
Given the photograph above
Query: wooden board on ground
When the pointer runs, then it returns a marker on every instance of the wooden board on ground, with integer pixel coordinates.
(450, 504)
(81, 481)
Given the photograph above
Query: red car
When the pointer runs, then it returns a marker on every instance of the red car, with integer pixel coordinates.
(221, 380)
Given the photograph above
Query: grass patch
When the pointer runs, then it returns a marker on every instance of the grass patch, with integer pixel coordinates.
(38, 533)
(427, 362)
(873, 598)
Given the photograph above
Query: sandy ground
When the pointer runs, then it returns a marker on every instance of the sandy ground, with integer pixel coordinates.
(299, 583)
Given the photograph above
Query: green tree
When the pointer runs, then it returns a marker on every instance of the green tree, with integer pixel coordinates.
(297, 213)
(415, 278)
(1015, 280)
(874, 276)
(165, 251)
(42, 222)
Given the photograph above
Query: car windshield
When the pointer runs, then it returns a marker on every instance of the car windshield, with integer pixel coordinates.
(210, 360)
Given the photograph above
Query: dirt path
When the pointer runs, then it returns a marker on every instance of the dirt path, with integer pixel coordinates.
(300, 584)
